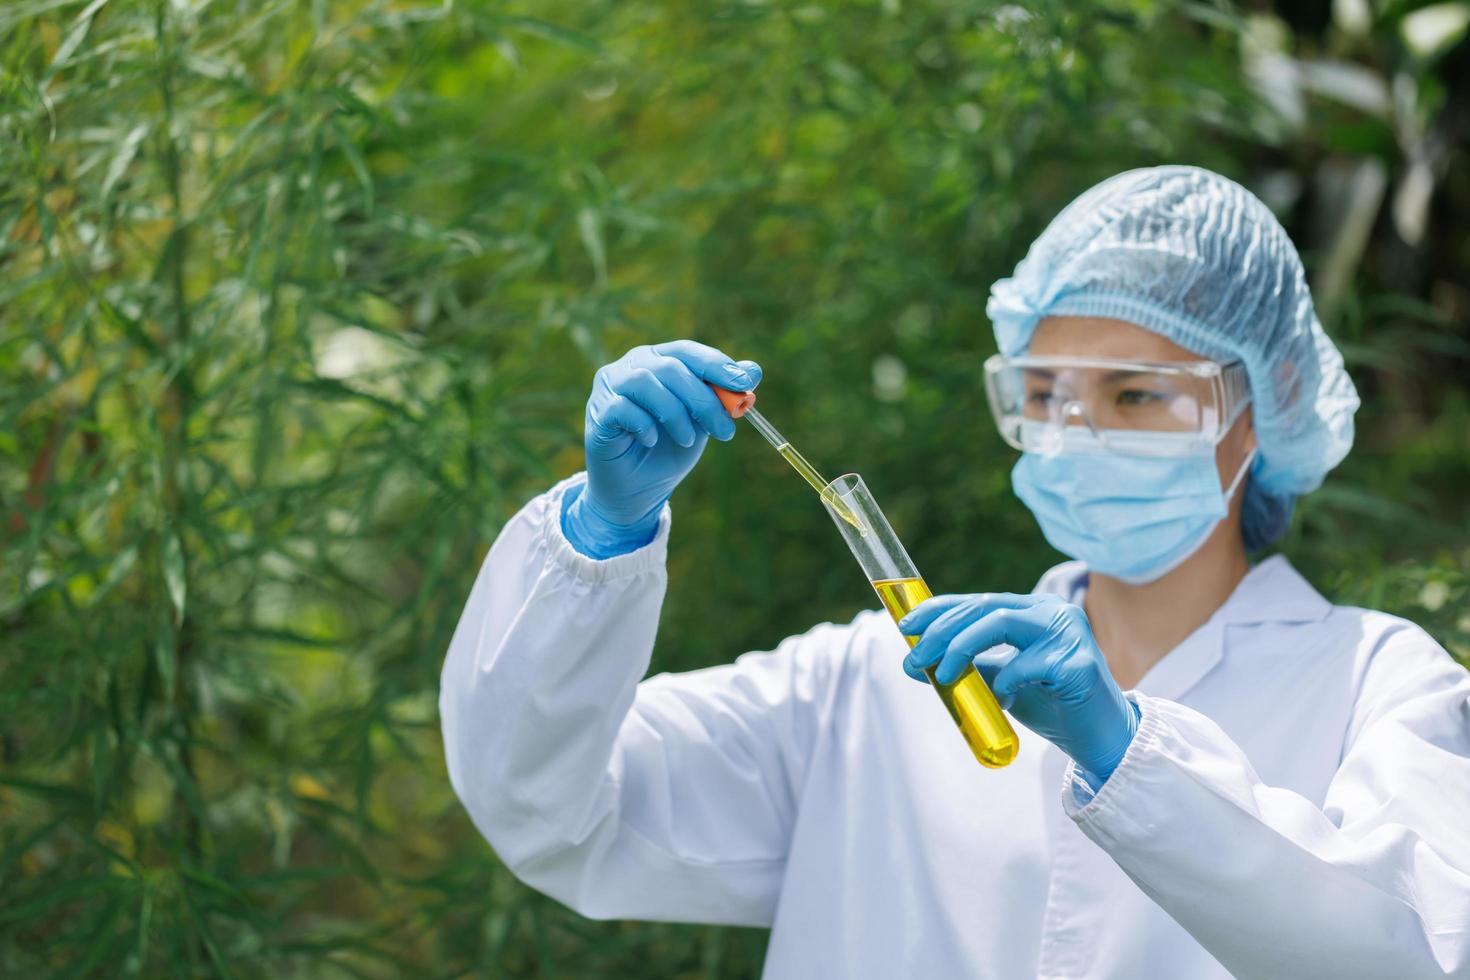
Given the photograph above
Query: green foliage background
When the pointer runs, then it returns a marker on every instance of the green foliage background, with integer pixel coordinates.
(299, 301)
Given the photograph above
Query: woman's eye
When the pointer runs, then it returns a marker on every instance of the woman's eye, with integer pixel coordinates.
(1038, 397)
(1134, 397)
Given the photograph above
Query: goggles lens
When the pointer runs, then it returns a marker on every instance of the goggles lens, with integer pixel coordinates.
(1046, 404)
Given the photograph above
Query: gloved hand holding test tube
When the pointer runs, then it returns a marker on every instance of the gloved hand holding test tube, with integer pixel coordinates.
(896, 580)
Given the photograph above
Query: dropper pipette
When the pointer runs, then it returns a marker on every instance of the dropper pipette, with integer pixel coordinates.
(741, 404)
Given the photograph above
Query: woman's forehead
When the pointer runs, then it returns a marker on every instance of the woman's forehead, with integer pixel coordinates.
(1091, 336)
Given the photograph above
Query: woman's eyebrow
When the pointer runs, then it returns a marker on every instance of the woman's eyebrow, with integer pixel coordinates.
(1120, 374)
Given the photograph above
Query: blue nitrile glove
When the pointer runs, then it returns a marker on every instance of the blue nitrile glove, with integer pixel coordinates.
(648, 419)
(1055, 682)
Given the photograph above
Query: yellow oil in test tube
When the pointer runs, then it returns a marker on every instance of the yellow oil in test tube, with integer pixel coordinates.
(983, 724)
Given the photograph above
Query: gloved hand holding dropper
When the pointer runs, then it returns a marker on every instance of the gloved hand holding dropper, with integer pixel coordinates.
(648, 419)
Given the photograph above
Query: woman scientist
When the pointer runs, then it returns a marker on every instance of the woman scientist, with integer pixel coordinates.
(1282, 791)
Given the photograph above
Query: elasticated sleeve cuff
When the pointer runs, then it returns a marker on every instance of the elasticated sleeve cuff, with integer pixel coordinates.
(563, 555)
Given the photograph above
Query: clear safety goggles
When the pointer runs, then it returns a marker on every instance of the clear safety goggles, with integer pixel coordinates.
(1070, 404)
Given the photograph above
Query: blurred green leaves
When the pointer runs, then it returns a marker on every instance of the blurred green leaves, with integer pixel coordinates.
(299, 303)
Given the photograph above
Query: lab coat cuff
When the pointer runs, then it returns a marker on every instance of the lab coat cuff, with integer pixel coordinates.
(595, 571)
(1087, 806)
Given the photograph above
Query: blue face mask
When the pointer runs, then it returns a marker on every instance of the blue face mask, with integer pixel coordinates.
(1132, 517)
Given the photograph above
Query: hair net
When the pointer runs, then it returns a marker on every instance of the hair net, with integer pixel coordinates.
(1193, 256)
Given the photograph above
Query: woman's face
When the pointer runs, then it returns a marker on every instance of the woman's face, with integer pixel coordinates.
(1083, 336)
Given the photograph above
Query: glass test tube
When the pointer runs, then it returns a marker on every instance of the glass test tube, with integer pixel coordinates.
(900, 587)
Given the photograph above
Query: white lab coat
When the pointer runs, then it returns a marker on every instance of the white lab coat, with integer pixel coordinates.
(1296, 802)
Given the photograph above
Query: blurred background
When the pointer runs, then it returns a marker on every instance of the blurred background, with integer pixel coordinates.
(300, 301)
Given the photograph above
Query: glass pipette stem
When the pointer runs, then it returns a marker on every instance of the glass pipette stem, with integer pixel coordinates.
(799, 463)
(766, 429)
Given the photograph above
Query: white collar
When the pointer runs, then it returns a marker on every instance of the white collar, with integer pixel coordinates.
(1272, 591)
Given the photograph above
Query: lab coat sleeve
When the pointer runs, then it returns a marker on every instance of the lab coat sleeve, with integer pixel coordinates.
(1374, 883)
(672, 799)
